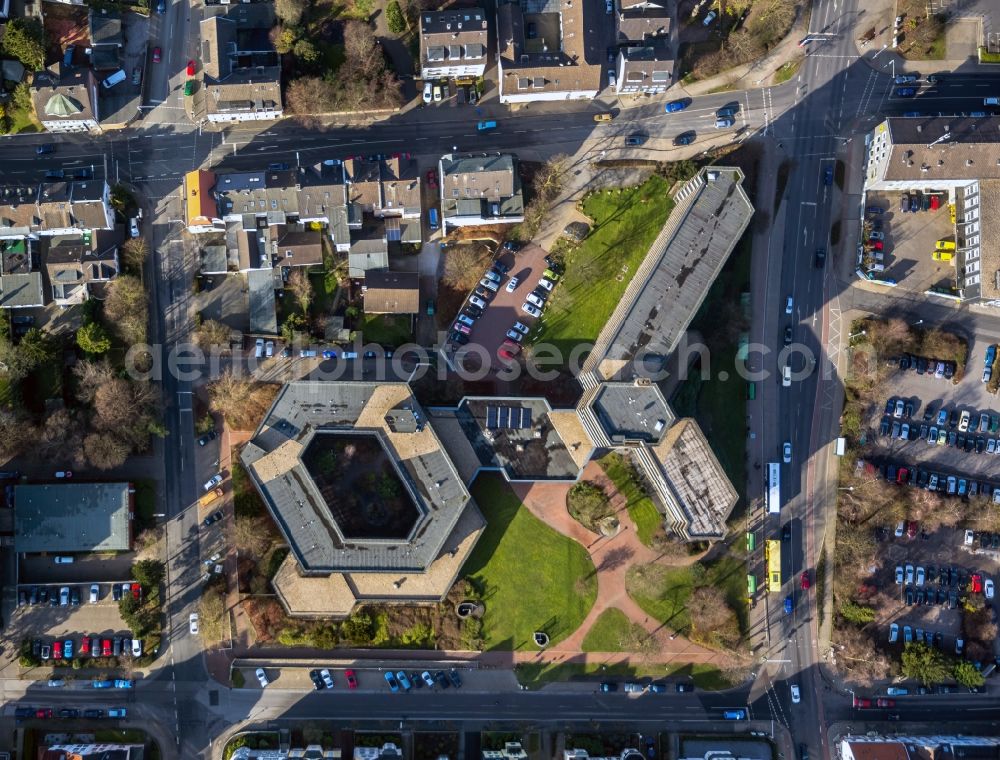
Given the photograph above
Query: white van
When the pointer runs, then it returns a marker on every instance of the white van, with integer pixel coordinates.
(111, 81)
(786, 376)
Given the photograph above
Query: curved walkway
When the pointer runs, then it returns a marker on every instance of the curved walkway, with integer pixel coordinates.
(612, 558)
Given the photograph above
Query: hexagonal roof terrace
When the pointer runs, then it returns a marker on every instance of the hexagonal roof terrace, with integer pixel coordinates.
(315, 454)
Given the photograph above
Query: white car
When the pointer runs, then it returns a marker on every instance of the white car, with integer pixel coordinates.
(909, 575)
(534, 311)
(477, 301)
(95, 591)
(546, 283)
(55, 683)
(327, 678)
(64, 596)
(428, 92)
(269, 349)
(988, 588)
(786, 452)
(894, 633)
(920, 576)
(788, 305)
(963, 422)
(512, 284)
(796, 696)
(216, 479)
(258, 348)
(133, 227)
(515, 336)
(535, 299)
(437, 93)
(136, 647)
(899, 575)
(262, 677)
(900, 528)
(523, 329)
(193, 623)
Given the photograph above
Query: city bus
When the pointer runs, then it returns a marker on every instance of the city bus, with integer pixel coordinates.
(773, 488)
(772, 552)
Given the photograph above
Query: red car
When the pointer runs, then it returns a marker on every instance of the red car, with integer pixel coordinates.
(903, 475)
(977, 583)
(190, 68)
(862, 702)
(911, 529)
(156, 55)
(432, 179)
(805, 581)
(106, 648)
(879, 245)
(883, 702)
(43, 712)
(136, 590)
(57, 650)
(352, 680)
(85, 646)
(935, 202)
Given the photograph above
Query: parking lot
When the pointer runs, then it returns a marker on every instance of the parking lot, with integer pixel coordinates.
(927, 577)
(909, 241)
(924, 397)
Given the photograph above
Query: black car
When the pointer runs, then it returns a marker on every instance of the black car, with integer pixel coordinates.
(500, 268)
(949, 370)
(820, 258)
(317, 680)
(970, 443)
(920, 596)
(913, 432)
(442, 679)
(952, 438)
(459, 338)
(952, 576)
(68, 712)
(803, 752)
(635, 139)
(923, 432)
(473, 311)
(980, 445)
(788, 337)
(904, 363)
(24, 712)
(454, 678)
(884, 427)
(952, 600)
(921, 365)
(685, 138)
(960, 441)
(209, 436)
(953, 420)
(93, 713)
(608, 686)
(116, 591)
(277, 167)
(212, 518)
(928, 413)
(36, 647)
(74, 596)
(512, 245)
(685, 687)
(786, 532)
(947, 689)
(939, 640)
(995, 543)
(908, 409)
(530, 30)
(34, 595)
(909, 595)
(922, 478)
(44, 149)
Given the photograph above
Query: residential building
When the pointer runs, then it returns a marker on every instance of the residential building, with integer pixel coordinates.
(543, 48)
(480, 188)
(20, 275)
(79, 267)
(510, 751)
(73, 517)
(388, 292)
(107, 39)
(311, 752)
(65, 99)
(645, 69)
(877, 745)
(55, 208)
(453, 43)
(242, 76)
(93, 751)
(956, 158)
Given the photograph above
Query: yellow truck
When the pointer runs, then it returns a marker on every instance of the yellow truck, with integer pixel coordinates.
(210, 497)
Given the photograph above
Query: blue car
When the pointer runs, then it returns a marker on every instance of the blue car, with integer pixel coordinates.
(123, 683)
(878, 210)
(675, 105)
(991, 355)
(828, 175)
(788, 605)
(68, 649)
(404, 681)
(329, 354)
(101, 684)
(391, 680)
(906, 92)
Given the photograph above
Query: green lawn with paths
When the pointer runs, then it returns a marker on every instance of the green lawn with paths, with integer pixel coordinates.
(531, 578)
(625, 222)
(647, 519)
(608, 632)
(388, 330)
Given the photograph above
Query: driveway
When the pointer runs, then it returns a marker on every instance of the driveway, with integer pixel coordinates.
(505, 308)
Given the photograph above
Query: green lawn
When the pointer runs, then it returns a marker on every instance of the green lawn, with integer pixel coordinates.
(536, 675)
(610, 630)
(787, 71)
(531, 578)
(625, 223)
(663, 591)
(388, 330)
(648, 520)
(21, 120)
(720, 405)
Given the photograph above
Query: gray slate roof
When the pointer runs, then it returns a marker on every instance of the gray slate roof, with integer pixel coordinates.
(72, 517)
(263, 319)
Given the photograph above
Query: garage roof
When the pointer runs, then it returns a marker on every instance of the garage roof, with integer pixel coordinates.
(73, 517)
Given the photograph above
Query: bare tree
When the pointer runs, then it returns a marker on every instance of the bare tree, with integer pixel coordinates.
(91, 375)
(211, 334)
(134, 253)
(61, 437)
(301, 288)
(17, 433)
(241, 401)
(290, 11)
(126, 309)
(105, 451)
(252, 536)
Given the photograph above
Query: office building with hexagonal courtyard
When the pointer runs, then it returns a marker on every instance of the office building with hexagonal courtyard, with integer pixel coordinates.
(369, 501)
